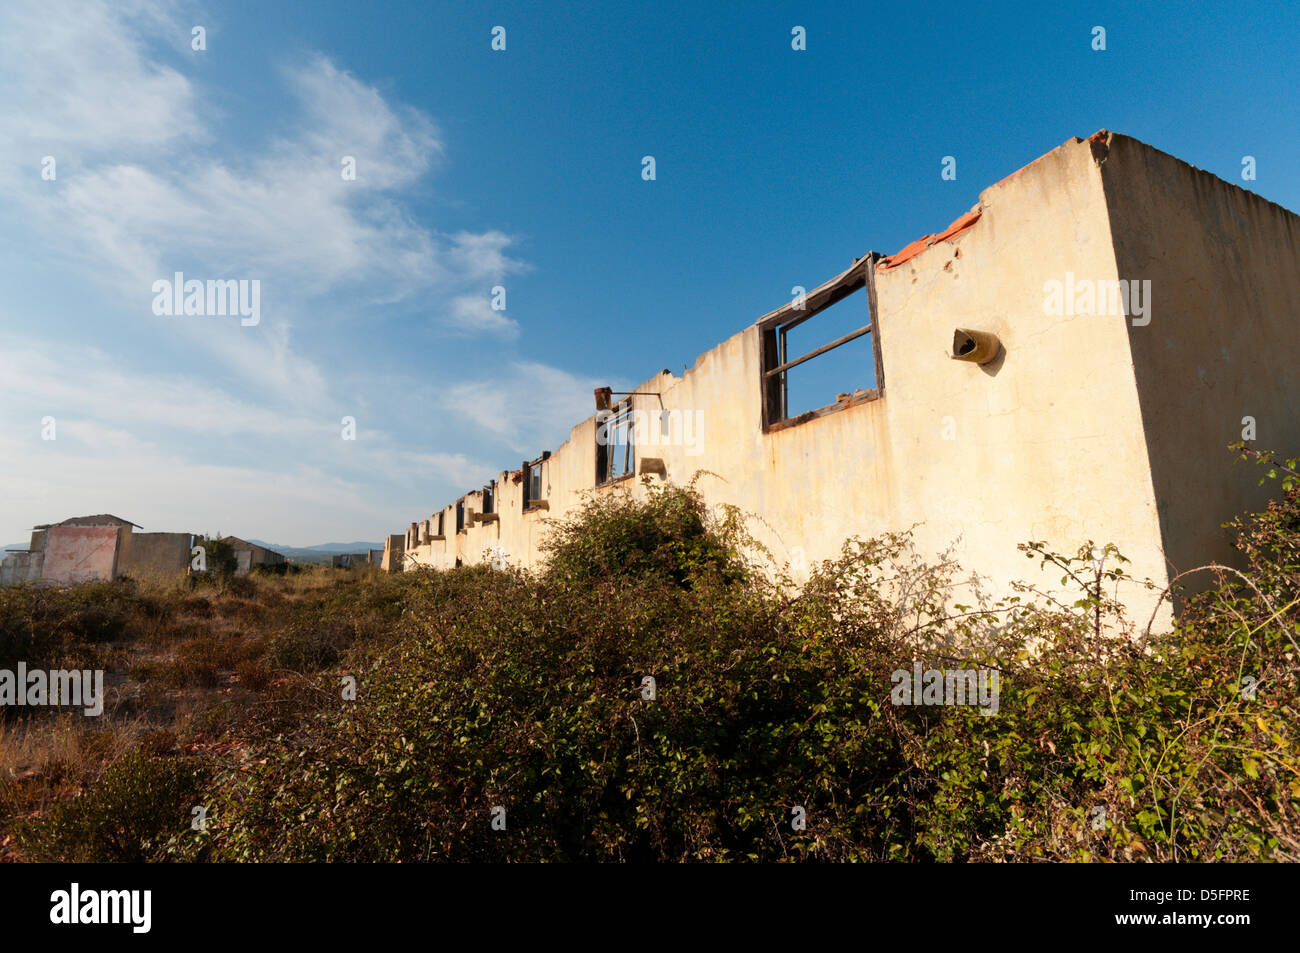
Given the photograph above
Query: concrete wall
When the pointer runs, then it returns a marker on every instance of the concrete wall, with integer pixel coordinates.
(1221, 345)
(392, 560)
(18, 567)
(82, 553)
(1071, 435)
(78, 550)
(157, 553)
(1046, 442)
(248, 555)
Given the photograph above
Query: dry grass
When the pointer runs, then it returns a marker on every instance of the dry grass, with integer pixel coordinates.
(192, 667)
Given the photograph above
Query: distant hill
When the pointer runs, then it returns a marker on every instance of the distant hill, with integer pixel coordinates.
(23, 545)
(316, 554)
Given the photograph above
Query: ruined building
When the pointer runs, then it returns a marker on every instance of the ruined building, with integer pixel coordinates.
(250, 555)
(101, 547)
(1067, 361)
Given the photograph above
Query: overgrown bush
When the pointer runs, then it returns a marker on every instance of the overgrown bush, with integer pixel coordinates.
(651, 695)
(618, 538)
(530, 694)
(311, 642)
(138, 803)
(59, 627)
(199, 662)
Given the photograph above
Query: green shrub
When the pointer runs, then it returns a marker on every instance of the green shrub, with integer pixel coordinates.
(314, 640)
(528, 691)
(615, 537)
(138, 803)
(525, 691)
(219, 556)
(60, 627)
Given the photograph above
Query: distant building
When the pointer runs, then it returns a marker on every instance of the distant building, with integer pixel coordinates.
(158, 553)
(103, 519)
(350, 560)
(248, 555)
(99, 547)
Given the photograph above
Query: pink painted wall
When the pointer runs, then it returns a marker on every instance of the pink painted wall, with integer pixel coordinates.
(80, 553)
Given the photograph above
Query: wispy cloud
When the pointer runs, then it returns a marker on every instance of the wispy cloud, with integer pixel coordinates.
(100, 459)
(283, 212)
(78, 81)
(154, 177)
(521, 403)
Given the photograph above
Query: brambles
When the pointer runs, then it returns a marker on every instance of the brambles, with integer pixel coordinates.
(669, 534)
(60, 628)
(526, 692)
(651, 695)
(138, 801)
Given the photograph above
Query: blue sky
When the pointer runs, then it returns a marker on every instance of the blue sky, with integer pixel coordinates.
(519, 168)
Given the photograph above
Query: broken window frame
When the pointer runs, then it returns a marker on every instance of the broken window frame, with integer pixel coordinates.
(534, 497)
(460, 515)
(489, 497)
(775, 363)
(604, 458)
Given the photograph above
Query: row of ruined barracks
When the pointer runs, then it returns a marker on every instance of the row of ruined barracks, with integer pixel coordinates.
(1066, 362)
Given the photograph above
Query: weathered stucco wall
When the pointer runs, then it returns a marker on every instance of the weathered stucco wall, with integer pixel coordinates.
(82, 553)
(249, 555)
(1059, 439)
(19, 567)
(1043, 443)
(157, 553)
(1221, 345)
(392, 560)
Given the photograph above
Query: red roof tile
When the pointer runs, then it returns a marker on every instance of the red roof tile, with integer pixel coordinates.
(921, 244)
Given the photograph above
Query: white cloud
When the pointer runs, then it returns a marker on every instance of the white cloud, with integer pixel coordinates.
(93, 387)
(394, 145)
(528, 406)
(99, 462)
(163, 491)
(150, 181)
(473, 314)
(481, 257)
(78, 81)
